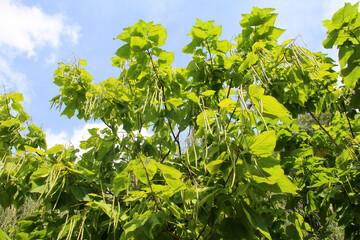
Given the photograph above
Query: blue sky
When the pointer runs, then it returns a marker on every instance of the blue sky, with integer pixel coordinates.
(35, 35)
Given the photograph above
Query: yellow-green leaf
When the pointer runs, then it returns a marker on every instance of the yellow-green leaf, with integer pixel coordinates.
(192, 96)
(214, 166)
(272, 106)
(142, 174)
(227, 103)
(176, 102)
(172, 176)
(137, 43)
(34, 150)
(205, 116)
(286, 42)
(256, 92)
(121, 182)
(208, 93)
(54, 149)
(264, 144)
(82, 62)
(258, 46)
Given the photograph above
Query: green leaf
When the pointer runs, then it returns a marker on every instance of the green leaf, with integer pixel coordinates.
(82, 62)
(3, 235)
(331, 39)
(351, 76)
(121, 182)
(176, 102)
(17, 106)
(276, 175)
(311, 201)
(345, 52)
(215, 31)
(345, 14)
(107, 208)
(5, 200)
(256, 92)
(222, 46)
(227, 104)
(207, 116)
(9, 123)
(208, 93)
(15, 96)
(81, 192)
(257, 46)
(199, 33)
(214, 166)
(142, 175)
(192, 96)
(34, 150)
(166, 58)
(172, 176)
(286, 42)
(157, 35)
(264, 144)
(124, 51)
(251, 59)
(68, 111)
(55, 149)
(272, 106)
(169, 170)
(190, 48)
(40, 173)
(138, 43)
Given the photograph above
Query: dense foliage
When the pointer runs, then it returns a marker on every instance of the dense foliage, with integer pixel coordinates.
(226, 159)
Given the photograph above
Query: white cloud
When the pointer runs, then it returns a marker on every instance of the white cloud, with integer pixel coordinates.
(24, 31)
(11, 79)
(52, 58)
(77, 136)
(82, 134)
(53, 139)
(28, 28)
(157, 9)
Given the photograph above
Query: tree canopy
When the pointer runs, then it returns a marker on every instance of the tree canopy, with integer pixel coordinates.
(226, 158)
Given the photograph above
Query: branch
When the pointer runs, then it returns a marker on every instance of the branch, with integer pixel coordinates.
(229, 88)
(148, 179)
(202, 231)
(176, 138)
(348, 120)
(322, 128)
(191, 175)
(208, 49)
(163, 158)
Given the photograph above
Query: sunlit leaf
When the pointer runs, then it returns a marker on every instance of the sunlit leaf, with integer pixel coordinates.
(82, 62)
(208, 93)
(272, 106)
(264, 144)
(55, 149)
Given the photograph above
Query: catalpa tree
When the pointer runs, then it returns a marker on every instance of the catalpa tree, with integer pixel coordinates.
(227, 158)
